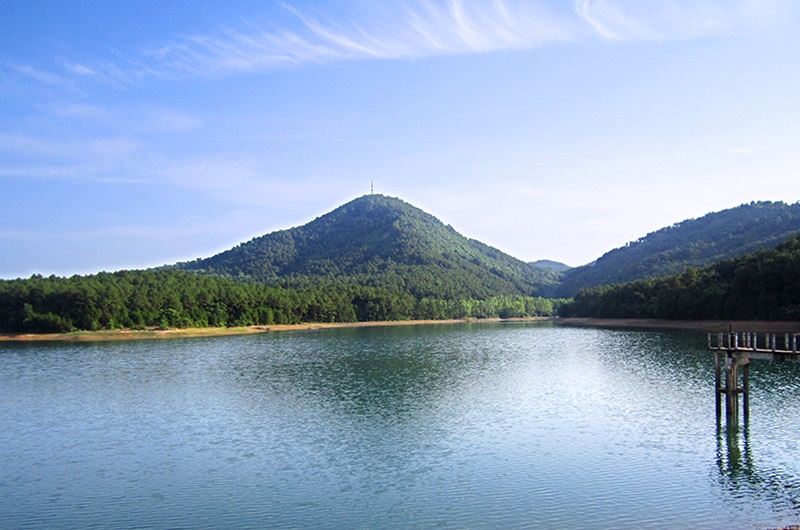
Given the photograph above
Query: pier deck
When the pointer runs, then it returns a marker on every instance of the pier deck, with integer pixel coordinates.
(735, 350)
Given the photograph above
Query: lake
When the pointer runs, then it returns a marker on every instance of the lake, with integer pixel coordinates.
(484, 425)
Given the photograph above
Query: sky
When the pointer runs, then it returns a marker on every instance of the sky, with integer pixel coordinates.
(135, 134)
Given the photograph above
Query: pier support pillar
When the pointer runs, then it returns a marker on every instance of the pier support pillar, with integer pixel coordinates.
(718, 384)
(730, 388)
(746, 390)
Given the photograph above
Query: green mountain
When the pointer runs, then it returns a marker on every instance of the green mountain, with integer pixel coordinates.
(556, 266)
(763, 285)
(692, 243)
(379, 258)
(384, 242)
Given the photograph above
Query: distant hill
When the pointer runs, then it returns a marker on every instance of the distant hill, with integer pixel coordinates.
(381, 241)
(550, 265)
(692, 243)
(763, 285)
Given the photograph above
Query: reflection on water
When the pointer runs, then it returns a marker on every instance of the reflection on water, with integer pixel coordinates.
(477, 425)
(741, 477)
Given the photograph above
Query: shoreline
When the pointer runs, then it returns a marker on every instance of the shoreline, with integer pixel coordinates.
(710, 326)
(149, 334)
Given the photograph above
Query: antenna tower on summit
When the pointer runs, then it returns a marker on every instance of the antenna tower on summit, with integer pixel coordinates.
(371, 188)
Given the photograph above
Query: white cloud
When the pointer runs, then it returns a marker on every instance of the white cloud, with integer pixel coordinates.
(80, 69)
(41, 76)
(148, 118)
(21, 143)
(186, 228)
(211, 173)
(25, 144)
(420, 28)
(425, 28)
(228, 177)
(80, 111)
(16, 234)
(742, 151)
(636, 20)
(389, 30)
(42, 171)
(171, 120)
(103, 160)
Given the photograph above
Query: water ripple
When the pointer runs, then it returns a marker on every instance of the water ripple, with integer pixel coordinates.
(473, 426)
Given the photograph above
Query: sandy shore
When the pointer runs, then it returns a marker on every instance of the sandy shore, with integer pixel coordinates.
(126, 334)
(701, 325)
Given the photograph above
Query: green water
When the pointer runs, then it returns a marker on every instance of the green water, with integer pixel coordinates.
(458, 426)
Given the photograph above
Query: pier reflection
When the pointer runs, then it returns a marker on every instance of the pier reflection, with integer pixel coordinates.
(734, 456)
(741, 477)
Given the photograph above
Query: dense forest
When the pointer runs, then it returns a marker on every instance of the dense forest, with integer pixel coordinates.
(384, 242)
(692, 243)
(179, 299)
(763, 285)
(378, 258)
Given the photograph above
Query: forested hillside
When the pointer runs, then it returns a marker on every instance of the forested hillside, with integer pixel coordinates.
(691, 243)
(764, 285)
(551, 265)
(382, 242)
(179, 299)
(375, 258)
(379, 258)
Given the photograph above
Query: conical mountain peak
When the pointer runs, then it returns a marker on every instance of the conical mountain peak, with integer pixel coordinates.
(381, 241)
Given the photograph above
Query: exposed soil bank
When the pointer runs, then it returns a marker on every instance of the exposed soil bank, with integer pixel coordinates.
(628, 323)
(702, 325)
(126, 334)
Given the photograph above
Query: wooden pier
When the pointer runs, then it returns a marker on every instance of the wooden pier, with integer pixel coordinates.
(734, 350)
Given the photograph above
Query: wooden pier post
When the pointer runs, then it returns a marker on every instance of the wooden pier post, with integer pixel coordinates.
(740, 351)
(732, 345)
(746, 392)
(718, 383)
(731, 390)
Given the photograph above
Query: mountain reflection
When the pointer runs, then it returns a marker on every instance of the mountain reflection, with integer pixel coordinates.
(386, 373)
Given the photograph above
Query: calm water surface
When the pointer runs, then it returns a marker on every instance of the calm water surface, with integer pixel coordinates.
(459, 426)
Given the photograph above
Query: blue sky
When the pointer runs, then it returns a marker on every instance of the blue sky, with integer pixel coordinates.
(137, 134)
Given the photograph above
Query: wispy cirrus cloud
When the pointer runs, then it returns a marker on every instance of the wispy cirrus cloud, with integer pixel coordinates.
(100, 159)
(21, 143)
(149, 118)
(414, 29)
(742, 150)
(638, 20)
(45, 77)
(236, 178)
(388, 30)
